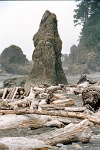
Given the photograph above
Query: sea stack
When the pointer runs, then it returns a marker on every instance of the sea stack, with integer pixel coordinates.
(47, 66)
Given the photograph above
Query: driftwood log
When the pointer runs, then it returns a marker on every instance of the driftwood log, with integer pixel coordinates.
(91, 96)
(54, 88)
(68, 134)
(68, 102)
(79, 115)
(21, 143)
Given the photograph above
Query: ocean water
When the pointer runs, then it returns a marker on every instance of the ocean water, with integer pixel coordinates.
(4, 77)
(73, 79)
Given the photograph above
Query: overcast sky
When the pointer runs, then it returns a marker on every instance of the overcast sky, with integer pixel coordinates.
(19, 21)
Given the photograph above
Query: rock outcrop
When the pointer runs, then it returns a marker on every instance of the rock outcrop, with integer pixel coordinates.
(83, 60)
(47, 67)
(13, 61)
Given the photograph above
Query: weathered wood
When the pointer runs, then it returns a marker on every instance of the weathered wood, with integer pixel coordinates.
(11, 94)
(54, 123)
(37, 88)
(60, 96)
(53, 88)
(4, 93)
(91, 96)
(33, 121)
(25, 94)
(69, 102)
(19, 103)
(75, 109)
(22, 143)
(7, 97)
(68, 134)
(15, 92)
(94, 119)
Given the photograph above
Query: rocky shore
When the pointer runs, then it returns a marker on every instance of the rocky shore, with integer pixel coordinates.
(23, 126)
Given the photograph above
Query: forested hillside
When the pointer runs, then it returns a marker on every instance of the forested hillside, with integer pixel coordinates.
(87, 56)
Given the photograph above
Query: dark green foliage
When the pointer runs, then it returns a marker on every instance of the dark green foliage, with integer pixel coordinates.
(88, 14)
(85, 9)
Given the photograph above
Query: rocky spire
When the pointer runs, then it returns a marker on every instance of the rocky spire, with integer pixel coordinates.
(47, 67)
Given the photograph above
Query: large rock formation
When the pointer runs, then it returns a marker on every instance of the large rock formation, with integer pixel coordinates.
(14, 61)
(83, 60)
(47, 66)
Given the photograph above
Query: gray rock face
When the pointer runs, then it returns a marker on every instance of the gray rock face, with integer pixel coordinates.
(83, 60)
(47, 67)
(13, 61)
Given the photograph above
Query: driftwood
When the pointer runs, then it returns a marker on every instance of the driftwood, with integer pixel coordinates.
(70, 109)
(68, 102)
(71, 133)
(35, 88)
(22, 143)
(4, 93)
(94, 119)
(11, 93)
(75, 109)
(13, 96)
(33, 121)
(54, 123)
(91, 96)
(60, 96)
(20, 103)
(53, 88)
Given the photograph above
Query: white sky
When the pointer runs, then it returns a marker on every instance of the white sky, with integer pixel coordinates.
(19, 21)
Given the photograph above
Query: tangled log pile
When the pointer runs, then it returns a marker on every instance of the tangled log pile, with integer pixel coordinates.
(51, 106)
(91, 96)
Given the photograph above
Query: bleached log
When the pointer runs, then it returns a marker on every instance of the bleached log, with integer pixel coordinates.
(4, 93)
(25, 94)
(83, 85)
(91, 96)
(69, 102)
(75, 109)
(19, 103)
(94, 119)
(11, 121)
(22, 143)
(59, 96)
(37, 88)
(10, 95)
(15, 92)
(54, 123)
(53, 88)
(7, 97)
(70, 133)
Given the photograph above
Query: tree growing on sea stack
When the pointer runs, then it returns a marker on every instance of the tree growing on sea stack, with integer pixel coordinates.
(47, 67)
